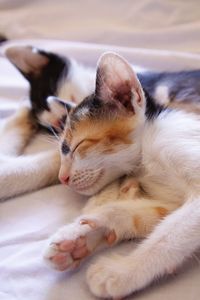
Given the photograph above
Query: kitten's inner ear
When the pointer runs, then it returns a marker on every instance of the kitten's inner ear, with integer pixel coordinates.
(56, 114)
(29, 60)
(116, 81)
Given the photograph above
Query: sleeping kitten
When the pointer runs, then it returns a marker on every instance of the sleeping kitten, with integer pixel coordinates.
(117, 131)
(112, 133)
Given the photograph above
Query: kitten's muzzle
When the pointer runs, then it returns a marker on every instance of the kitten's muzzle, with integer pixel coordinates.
(81, 181)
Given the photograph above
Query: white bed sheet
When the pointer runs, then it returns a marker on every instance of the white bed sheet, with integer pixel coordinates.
(150, 24)
(27, 221)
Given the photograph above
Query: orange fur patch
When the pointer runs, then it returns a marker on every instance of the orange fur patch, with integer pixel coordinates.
(111, 237)
(161, 211)
(141, 228)
(106, 133)
(143, 224)
(137, 222)
(85, 146)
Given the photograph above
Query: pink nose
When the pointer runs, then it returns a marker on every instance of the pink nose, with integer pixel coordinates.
(64, 179)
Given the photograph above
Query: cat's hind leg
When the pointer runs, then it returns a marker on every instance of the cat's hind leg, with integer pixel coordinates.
(103, 226)
(167, 247)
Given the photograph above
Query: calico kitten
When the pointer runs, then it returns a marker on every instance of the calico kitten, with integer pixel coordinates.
(109, 134)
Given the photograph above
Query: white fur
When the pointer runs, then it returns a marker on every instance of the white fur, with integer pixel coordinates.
(50, 118)
(169, 179)
(97, 165)
(23, 173)
(171, 156)
(17, 173)
(15, 133)
(79, 84)
(161, 95)
(174, 240)
(26, 173)
(169, 163)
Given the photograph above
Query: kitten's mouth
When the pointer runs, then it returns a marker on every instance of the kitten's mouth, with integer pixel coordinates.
(84, 186)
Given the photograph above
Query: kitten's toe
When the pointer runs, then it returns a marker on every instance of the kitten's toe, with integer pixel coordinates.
(61, 261)
(66, 245)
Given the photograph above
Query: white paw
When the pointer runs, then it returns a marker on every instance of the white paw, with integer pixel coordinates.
(74, 242)
(114, 278)
(105, 278)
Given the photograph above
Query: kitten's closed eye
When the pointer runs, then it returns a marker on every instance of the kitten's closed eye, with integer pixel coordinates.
(84, 146)
(65, 148)
(77, 145)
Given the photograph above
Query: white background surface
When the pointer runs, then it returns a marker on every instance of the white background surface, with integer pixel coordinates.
(151, 24)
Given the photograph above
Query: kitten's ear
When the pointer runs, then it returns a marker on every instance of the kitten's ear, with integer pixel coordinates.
(28, 60)
(56, 114)
(116, 81)
(54, 103)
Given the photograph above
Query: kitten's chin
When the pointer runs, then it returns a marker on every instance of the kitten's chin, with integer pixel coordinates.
(91, 190)
(88, 191)
(89, 187)
(94, 189)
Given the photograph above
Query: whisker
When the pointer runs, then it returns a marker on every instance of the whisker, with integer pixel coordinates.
(54, 133)
(49, 139)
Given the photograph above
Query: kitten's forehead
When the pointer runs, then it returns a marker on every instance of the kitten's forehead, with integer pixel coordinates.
(94, 108)
(83, 110)
(90, 120)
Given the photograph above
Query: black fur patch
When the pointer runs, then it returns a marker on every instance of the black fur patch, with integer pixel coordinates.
(183, 86)
(47, 82)
(149, 81)
(91, 103)
(95, 108)
(152, 109)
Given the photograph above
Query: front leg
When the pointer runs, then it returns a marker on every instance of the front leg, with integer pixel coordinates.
(28, 173)
(167, 247)
(103, 226)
